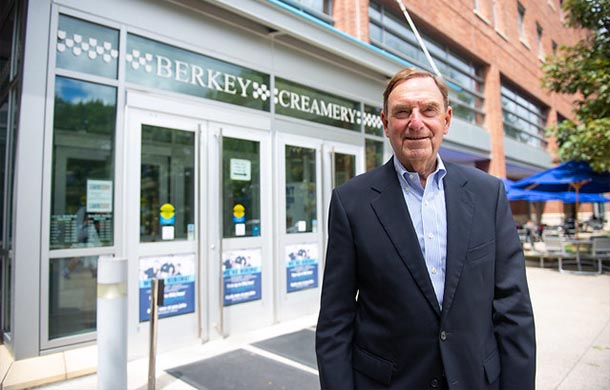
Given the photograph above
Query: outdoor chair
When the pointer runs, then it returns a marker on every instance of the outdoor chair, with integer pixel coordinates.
(600, 251)
(554, 248)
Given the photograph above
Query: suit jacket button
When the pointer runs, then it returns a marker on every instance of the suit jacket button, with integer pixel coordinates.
(434, 383)
(443, 335)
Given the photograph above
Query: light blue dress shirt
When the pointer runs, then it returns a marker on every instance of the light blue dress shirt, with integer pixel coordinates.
(429, 216)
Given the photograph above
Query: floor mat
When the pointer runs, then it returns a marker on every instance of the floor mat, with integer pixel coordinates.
(240, 369)
(298, 346)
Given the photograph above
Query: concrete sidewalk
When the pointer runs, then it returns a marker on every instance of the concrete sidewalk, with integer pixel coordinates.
(572, 325)
(572, 314)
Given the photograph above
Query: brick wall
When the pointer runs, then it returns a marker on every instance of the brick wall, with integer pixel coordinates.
(352, 17)
(493, 41)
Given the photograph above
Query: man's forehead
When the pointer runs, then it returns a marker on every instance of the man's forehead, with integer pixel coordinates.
(420, 90)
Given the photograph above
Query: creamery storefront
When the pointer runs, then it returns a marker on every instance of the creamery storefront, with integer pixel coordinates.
(199, 144)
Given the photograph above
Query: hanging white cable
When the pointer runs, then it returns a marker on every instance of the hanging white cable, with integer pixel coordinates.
(419, 39)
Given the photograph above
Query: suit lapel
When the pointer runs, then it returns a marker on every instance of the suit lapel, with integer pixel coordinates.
(460, 209)
(393, 214)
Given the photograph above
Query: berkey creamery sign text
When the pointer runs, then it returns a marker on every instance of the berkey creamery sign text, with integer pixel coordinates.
(162, 66)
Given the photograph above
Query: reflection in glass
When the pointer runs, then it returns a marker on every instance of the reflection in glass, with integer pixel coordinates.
(241, 188)
(86, 47)
(83, 165)
(373, 154)
(167, 183)
(72, 296)
(301, 191)
(345, 168)
(523, 119)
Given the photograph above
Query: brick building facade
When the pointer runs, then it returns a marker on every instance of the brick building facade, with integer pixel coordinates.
(507, 39)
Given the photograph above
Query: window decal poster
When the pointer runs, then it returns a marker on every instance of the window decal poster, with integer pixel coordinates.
(301, 267)
(178, 272)
(241, 272)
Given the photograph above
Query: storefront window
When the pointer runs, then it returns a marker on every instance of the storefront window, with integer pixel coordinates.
(344, 168)
(301, 191)
(523, 119)
(83, 165)
(72, 296)
(11, 55)
(372, 121)
(167, 184)
(321, 9)
(374, 153)
(241, 188)
(87, 47)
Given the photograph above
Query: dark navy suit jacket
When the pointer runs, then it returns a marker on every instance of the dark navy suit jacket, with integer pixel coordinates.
(380, 325)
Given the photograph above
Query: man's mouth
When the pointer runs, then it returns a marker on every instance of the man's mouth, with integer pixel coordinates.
(416, 138)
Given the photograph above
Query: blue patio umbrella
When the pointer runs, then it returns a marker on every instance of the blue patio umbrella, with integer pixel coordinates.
(575, 176)
(513, 193)
(572, 176)
(530, 196)
(570, 197)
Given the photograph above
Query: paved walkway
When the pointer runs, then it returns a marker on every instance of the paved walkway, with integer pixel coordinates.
(572, 326)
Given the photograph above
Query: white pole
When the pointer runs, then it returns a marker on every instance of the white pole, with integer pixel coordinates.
(419, 39)
(111, 323)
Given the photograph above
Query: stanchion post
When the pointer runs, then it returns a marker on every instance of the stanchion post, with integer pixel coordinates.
(156, 300)
(111, 323)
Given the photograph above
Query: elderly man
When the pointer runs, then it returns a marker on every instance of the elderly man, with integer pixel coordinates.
(424, 282)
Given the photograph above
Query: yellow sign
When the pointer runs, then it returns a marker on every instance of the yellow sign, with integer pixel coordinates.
(239, 211)
(167, 210)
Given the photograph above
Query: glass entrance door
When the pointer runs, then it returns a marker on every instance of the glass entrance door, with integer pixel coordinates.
(241, 295)
(163, 214)
(341, 163)
(199, 209)
(309, 170)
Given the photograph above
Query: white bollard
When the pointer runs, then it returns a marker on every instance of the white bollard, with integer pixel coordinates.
(111, 323)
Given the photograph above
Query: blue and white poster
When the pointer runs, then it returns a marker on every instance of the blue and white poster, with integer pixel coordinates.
(178, 273)
(301, 267)
(241, 271)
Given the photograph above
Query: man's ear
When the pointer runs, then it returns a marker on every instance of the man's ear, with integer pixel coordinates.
(448, 116)
(384, 121)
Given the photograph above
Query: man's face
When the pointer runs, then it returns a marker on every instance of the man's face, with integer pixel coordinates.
(416, 122)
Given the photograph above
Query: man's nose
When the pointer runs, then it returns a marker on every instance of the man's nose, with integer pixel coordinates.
(415, 120)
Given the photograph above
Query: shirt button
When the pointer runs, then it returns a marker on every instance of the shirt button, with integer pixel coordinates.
(426, 203)
(411, 176)
(430, 235)
(433, 270)
(443, 335)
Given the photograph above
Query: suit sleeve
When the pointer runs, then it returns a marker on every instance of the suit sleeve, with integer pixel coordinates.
(513, 316)
(335, 329)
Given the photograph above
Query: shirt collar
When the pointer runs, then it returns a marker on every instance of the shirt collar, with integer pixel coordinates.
(437, 175)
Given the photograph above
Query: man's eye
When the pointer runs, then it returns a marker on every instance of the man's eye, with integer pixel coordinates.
(403, 114)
